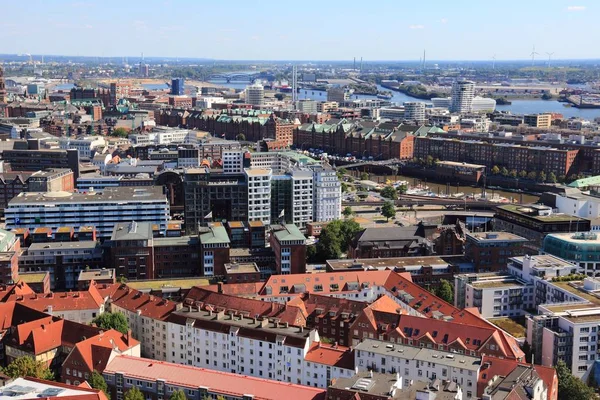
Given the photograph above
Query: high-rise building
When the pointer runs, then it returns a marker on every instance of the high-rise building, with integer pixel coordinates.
(462, 96)
(307, 106)
(177, 85)
(414, 111)
(259, 194)
(255, 94)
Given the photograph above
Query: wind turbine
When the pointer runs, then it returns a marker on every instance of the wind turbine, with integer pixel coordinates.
(549, 57)
(533, 54)
(494, 62)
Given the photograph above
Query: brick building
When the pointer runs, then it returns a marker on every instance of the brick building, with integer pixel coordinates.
(289, 246)
(490, 251)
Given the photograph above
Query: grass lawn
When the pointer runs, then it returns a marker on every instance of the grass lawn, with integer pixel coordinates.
(510, 326)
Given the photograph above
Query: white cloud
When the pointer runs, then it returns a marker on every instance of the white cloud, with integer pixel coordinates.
(416, 27)
(444, 20)
(576, 8)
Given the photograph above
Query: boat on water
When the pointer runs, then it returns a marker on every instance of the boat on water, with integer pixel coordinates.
(384, 96)
(458, 195)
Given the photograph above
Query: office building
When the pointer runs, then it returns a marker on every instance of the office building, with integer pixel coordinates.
(490, 251)
(259, 194)
(101, 209)
(581, 249)
(119, 90)
(462, 96)
(302, 197)
(255, 94)
(414, 111)
(538, 120)
(479, 104)
(327, 194)
(337, 94)
(214, 249)
(307, 106)
(85, 145)
(33, 159)
(177, 87)
(225, 195)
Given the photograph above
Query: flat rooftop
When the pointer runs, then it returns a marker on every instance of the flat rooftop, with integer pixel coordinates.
(367, 384)
(580, 238)
(108, 195)
(159, 284)
(495, 237)
(522, 210)
(32, 277)
(257, 171)
(488, 284)
(23, 388)
(241, 268)
(389, 263)
(104, 273)
(546, 261)
(83, 245)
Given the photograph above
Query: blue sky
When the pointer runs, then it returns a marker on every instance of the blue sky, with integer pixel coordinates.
(303, 30)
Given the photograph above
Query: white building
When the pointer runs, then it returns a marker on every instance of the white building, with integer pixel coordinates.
(302, 197)
(164, 135)
(100, 209)
(419, 364)
(248, 346)
(414, 111)
(85, 145)
(393, 113)
(327, 194)
(87, 182)
(205, 102)
(500, 296)
(233, 161)
(462, 96)
(259, 194)
(479, 104)
(255, 95)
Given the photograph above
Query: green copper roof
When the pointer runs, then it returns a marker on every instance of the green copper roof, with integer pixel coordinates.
(290, 232)
(591, 181)
(217, 234)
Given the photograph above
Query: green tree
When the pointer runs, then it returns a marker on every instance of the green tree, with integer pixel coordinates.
(347, 212)
(445, 291)
(523, 174)
(572, 177)
(178, 395)
(388, 210)
(504, 171)
(389, 193)
(134, 394)
(364, 176)
(109, 320)
(513, 173)
(27, 366)
(542, 176)
(97, 382)
(363, 195)
(571, 387)
(345, 187)
(562, 178)
(119, 132)
(240, 137)
(335, 239)
(532, 175)
(495, 170)
(552, 178)
(429, 161)
(341, 172)
(311, 254)
(402, 189)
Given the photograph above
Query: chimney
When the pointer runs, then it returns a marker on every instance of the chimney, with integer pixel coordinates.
(264, 322)
(301, 329)
(220, 287)
(128, 337)
(49, 309)
(221, 314)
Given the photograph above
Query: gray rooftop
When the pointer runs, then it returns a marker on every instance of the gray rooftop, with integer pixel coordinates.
(132, 231)
(421, 354)
(81, 245)
(108, 195)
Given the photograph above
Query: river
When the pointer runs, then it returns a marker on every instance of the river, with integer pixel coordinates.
(519, 106)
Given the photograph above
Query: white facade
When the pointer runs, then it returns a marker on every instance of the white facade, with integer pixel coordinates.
(87, 182)
(255, 94)
(462, 96)
(163, 135)
(583, 206)
(233, 161)
(100, 209)
(259, 194)
(327, 194)
(414, 111)
(307, 106)
(85, 145)
(302, 197)
(419, 364)
(500, 297)
(481, 104)
(240, 345)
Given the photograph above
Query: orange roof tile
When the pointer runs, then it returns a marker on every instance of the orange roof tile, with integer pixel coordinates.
(61, 301)
(96, 351)
(333, 355)
(133, 300)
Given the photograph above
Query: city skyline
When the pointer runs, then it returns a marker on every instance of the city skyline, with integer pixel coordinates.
(315, 31)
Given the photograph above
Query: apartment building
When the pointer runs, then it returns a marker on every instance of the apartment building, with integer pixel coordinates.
(327, 194)
(289, 246)
(490, 251)
(419, 364)
(158, 380)
(86, 145)
(100, 209)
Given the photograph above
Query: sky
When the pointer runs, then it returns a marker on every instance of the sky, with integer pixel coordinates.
(303, 30)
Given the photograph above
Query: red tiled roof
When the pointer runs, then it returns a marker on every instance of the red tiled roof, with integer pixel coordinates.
(224, 383)
(335, 356)
(203, 298)
(18, 289)
(132, 300)
(62, 301)
(309, 302)
(96, 351)
(494, 366)
(237, 289)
